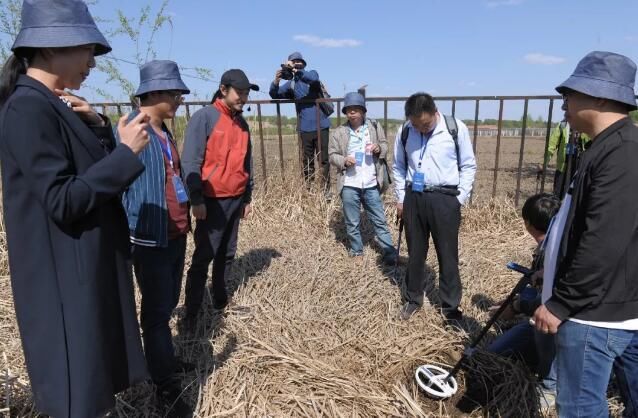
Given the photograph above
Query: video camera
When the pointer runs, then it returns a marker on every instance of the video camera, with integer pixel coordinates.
(286, 72)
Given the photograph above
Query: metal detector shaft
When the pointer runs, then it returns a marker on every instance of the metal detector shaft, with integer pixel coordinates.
(524, 281)
(396, 263)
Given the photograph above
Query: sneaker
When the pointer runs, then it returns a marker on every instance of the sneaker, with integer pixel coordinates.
(407, 310)
(547, 400)
(170, 395)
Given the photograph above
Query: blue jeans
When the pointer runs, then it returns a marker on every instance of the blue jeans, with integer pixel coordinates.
(535, 349)
(352, 199)
(585, 356)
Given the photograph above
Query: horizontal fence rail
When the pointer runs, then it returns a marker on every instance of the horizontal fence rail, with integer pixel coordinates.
(518, 154)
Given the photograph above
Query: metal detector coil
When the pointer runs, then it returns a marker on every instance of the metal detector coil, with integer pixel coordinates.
(440, 384)
(437, 383)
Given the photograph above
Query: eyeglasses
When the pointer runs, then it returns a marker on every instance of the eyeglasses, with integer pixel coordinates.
(176, 96)
(565, 97)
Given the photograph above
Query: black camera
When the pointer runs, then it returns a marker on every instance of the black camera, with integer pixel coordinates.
(286, 72)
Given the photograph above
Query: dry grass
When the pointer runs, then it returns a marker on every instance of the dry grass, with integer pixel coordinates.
(308, 333)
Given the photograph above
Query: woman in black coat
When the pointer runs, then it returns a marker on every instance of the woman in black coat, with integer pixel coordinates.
(67, 233)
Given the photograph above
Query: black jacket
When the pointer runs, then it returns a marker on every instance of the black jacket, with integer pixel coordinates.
(597, 266)
(67, 239)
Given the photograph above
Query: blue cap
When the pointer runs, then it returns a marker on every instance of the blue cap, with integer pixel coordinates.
(58, 24)
(605, 75)
(160, 75)
(354, 99)
(296, 56)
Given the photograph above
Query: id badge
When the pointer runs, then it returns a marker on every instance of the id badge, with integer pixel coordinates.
(418, 181)
(358, 157)
(180, 191)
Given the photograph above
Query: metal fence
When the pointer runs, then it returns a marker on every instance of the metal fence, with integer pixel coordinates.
(514, 173)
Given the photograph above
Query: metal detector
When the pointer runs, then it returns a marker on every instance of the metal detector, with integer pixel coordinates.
(438, 383)
(396, 263)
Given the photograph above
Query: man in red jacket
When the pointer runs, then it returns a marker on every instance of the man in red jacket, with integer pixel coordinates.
(217, 168)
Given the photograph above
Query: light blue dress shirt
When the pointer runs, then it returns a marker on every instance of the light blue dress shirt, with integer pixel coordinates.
(439, 164)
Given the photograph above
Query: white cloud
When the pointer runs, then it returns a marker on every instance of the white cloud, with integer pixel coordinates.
(327, 42)
(543, 59)
(497, 3)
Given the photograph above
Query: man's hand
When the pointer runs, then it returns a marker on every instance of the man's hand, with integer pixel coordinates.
(277, 76)
(199, 211)
(376, 149)
(82, 107)
(350, 161)
(545, 321)
(246, 211)
(400, 210)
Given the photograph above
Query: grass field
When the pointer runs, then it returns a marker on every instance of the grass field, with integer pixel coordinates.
(309, 333)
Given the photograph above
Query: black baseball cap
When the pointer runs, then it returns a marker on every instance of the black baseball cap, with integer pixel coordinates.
(237, 78)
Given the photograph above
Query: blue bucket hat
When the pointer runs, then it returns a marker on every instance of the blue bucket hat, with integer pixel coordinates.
(353, 99)
(58, 24)
(160, 75)
(605, 75)
(296, 56)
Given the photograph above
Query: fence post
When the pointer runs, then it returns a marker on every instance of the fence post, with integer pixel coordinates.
(498, 146)
(547, 133)
(521, 153)
(281, 143)
(263, 152)
(385, 117)
(319, 153)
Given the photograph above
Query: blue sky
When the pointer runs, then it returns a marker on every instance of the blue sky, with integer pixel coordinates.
(445, 47)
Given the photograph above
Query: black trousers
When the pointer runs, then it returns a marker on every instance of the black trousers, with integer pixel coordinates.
(426, 213)
(216, 241)
(159, 275)
(310, 148)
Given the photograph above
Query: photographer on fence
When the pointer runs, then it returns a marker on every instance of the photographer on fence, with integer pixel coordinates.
(304, 84)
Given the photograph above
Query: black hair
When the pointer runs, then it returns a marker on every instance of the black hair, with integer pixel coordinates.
(15, 66)
(539, 210)
(218, 93)
(419, 103)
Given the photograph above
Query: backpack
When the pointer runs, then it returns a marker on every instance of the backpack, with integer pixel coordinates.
(452, 128)
(386, 179)
(328, 108)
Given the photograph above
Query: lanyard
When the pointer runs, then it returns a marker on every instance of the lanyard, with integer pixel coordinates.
(363, 134)
(424, 145)
(166, 148)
